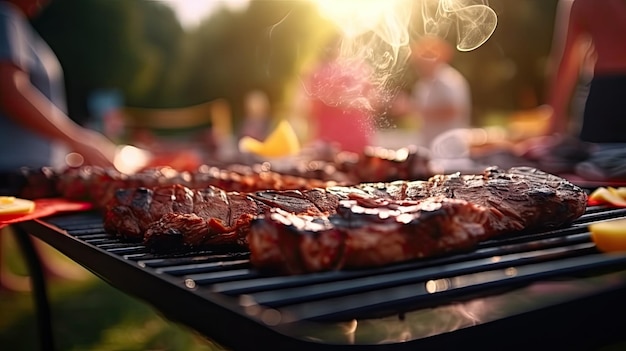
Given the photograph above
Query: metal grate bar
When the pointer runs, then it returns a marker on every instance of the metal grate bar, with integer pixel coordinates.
(221, 276)
(281, 297)
(187, 260)
(435, 291)
(276, 291)
(203, 267)
(230, 273)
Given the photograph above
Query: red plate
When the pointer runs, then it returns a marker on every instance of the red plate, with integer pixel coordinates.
(44, 208)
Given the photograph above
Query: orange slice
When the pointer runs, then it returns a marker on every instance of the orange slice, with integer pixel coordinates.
(609, 195)
(609, 236)
(283, 141)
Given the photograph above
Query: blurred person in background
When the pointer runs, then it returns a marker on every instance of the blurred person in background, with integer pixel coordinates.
(256, 121)
(257, 118)
(33, 115)
(441, 97)
(590, 40)
(341, 101)
(35, 130)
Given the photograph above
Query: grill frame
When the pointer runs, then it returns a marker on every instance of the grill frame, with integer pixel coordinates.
(115, 262)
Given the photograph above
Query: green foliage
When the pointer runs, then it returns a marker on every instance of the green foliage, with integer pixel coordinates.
(508, 71)
(264, 47)
(139, 48)
(103, 44)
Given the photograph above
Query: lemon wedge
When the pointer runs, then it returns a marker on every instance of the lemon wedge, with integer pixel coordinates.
(620, 191)
(282, 141)
(610, 195)
(609, 236)
(10, 205)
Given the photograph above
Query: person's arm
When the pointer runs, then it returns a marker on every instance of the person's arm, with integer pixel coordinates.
(22, 102)
(567, 69)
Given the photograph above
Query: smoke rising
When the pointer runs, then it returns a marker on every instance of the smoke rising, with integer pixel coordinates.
(378, 33)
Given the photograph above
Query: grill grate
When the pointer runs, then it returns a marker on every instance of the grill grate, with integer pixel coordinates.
(223, 282)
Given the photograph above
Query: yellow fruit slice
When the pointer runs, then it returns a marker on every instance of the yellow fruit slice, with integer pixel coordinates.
(282, 141)
(621, 191)
(609, 195)
(10, 205)
(609, 236)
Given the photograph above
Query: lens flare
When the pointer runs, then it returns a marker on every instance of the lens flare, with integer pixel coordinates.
(378, 32)
(388, 19)
(394, 21)
(130, 159)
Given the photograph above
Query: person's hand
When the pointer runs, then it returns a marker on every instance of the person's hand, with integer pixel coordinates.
(95, 149)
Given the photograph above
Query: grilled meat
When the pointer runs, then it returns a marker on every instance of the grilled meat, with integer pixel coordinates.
(134, 210)
(99, 185)
(391, 222)
(174, 216)
(347, 226)
(365, 232)
(525, 197)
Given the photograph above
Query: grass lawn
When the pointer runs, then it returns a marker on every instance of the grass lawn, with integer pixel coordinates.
(87, 314)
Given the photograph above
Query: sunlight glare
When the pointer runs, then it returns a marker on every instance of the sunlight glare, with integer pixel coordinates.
(192, 12)
(356, 17)
(130, 159)
(390, 20)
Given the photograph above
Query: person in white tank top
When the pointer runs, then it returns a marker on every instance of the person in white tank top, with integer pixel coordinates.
(441, 95)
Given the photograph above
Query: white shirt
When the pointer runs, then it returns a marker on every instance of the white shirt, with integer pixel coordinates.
(447, 87)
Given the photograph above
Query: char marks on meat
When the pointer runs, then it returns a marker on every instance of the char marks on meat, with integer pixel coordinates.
(174, 216)
(98, 185)
(526, 197)
(381, 223)
(365, 232)
(368, 224)
(134, 210)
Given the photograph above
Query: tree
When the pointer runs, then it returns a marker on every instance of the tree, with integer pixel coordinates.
(139, 48)
(263, 47)
(111, 44)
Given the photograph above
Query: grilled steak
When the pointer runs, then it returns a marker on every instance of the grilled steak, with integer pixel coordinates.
(363, 225)
(98, 185)
(524, 197)
(391, 222)
(365, 232)
(135, 209)
(174, 216)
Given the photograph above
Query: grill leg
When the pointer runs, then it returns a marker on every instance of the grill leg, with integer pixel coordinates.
(38, 282)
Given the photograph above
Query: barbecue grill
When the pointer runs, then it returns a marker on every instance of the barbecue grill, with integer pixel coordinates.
(520, 290)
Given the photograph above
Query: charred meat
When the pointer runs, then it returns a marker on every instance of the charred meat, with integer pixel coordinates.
(365, 232)
(98, 185)
(175, 216)
(383, 223)
(335, 227)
